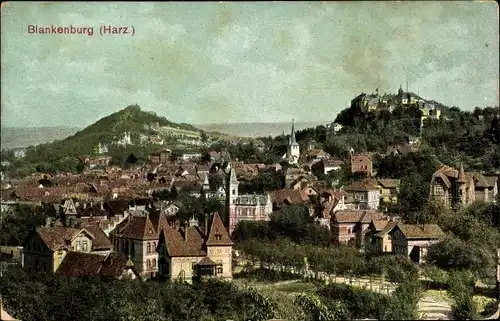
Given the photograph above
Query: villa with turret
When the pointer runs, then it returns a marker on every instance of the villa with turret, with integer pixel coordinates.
(456, 188)
(248, 207)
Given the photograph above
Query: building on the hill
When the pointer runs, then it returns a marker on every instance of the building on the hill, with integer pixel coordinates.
(362, 195)
(189, 254)
(361, 163)
(457, 187)
(125, 141)
(246, 207)
(293, 149)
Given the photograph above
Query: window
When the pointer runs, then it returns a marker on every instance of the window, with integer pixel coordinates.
(148, 249)
(148, 263)
(154, 246)
(218, 237)
(193, 266)
(78, 245)
(84, 246)
(219, 268)
(349, 231)
(153, 263)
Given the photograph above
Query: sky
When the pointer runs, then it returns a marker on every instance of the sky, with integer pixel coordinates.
(222, 62)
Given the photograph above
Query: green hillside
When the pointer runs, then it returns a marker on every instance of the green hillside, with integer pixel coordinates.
(62, 155)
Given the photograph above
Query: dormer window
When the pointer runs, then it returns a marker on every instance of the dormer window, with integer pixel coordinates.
(218, 237)
(150, 231)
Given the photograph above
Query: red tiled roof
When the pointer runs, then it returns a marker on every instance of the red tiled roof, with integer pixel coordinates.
(217, 230)
(80, 264)
(183, 243)
(77, 264)
(282, 195)
(54, 237)
(356, 216)
(137, 228)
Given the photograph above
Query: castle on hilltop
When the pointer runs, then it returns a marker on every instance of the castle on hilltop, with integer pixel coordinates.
(376, 102)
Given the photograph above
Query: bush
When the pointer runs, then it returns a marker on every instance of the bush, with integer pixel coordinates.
(461, 290)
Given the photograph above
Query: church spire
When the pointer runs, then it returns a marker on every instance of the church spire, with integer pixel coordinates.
(292, 136)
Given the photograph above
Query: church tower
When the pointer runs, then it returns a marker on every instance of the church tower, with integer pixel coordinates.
(293, 150)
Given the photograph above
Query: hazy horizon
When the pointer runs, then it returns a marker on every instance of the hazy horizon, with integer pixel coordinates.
(240, 62)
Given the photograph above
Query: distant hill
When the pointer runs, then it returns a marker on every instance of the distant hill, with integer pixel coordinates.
(19, 137)
(107, 130)
(257, 129)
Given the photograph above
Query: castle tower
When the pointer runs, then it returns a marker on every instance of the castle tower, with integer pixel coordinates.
(462, 189)
(400, 95)
(293, 150)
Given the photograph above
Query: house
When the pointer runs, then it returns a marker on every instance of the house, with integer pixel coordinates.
(377, 238)
(362, 195)
(316, 155)
(331, 201)
(362, 164)
(189, 254)
(246, 207)
(137, 236)
(156, 140)
(333, 128)
(331, 165)
(45, 248)
(171, 209)
(112, 266)
(190, 155)
(20, 153)
(414, 240)
(294, 174)
(389, 189)
(161, 157)
(98, 162)
(348, 225)
(455, 188)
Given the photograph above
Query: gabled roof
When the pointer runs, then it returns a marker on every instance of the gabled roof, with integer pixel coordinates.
(54, 237)
(389, 183)
(217, 229)
(388, 227)
(100, 240)
(421, 231)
